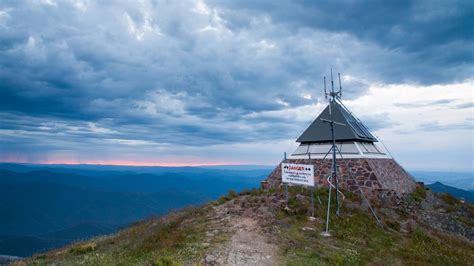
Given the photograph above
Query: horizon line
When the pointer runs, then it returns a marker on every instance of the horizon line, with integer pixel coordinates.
(128, 164)
(121, 163)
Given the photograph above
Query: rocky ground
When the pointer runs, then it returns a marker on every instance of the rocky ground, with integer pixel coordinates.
(246, 245)
(436, 211)
(261, 230)
(255, 228)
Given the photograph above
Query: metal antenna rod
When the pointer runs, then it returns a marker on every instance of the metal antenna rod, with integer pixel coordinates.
(325, 92)
(340, 86)
(332, 84)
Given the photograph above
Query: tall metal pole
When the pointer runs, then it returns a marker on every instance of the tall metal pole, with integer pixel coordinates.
(329, 210)
(334, 167)
(333, 95)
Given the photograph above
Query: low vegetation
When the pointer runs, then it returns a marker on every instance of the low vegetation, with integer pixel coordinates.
(356, 236)
(171, 240)
(419, 194)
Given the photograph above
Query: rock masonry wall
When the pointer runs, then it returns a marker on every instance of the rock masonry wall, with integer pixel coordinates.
(373, 177)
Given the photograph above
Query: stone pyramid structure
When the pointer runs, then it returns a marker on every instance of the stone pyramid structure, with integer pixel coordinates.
(363, 166)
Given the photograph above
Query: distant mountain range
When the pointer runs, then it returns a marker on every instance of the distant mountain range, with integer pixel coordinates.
(459, 179)
(47, 206)
(101, 170)
(456, 192)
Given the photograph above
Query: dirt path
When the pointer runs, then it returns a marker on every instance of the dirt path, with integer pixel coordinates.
(246, 246)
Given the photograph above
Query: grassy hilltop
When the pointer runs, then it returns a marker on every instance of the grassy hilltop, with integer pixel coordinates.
(254, 227)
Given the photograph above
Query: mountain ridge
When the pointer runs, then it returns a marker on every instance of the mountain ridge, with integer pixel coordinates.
(140, 193)
(456, 192)
(254, 227)
(53, 201)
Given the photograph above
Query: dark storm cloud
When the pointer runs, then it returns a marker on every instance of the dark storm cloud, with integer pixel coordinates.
(188, 73)
(436, 36)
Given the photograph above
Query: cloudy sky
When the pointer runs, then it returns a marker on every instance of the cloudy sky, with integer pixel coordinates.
(231, 82)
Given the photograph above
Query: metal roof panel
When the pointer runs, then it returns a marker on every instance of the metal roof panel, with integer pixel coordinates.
(353, 128)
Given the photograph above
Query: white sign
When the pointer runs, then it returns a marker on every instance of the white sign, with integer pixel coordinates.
(300, 174)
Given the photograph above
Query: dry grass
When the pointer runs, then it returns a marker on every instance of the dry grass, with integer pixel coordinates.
(356, 237)
(171, 240)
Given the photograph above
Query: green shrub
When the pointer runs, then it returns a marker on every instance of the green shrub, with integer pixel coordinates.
(232, 194)
(254, 192)
(83, 248)
(393, 225)
(352, 196)
(244, 192)
(166, 261)
(222, 200)
(419, 194)
(272, 190)
(449, 199)
(421, 237)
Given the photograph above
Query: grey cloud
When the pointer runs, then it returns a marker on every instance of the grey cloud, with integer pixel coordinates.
(171, 73)
(465, 105)
(436, 37)
(435, 126)
(378, 121)
(424, 104)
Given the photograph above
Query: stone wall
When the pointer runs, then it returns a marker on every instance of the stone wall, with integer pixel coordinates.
(361, 175)
(392, 176)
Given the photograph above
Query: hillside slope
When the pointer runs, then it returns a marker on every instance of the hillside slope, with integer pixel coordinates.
(52, 207)
(459, 193)
(255, 228)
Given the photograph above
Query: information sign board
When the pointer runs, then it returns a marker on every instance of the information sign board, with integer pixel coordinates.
(299, 174)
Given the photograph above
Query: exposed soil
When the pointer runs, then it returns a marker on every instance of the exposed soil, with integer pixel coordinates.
(246, 244)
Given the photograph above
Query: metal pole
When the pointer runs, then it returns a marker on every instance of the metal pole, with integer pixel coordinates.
(312, 202)
(328, 212)
(334, 167)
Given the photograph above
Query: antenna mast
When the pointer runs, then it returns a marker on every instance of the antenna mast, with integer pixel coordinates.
(325, 92)
(340, 86)
(332, 84)
(333, 96)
